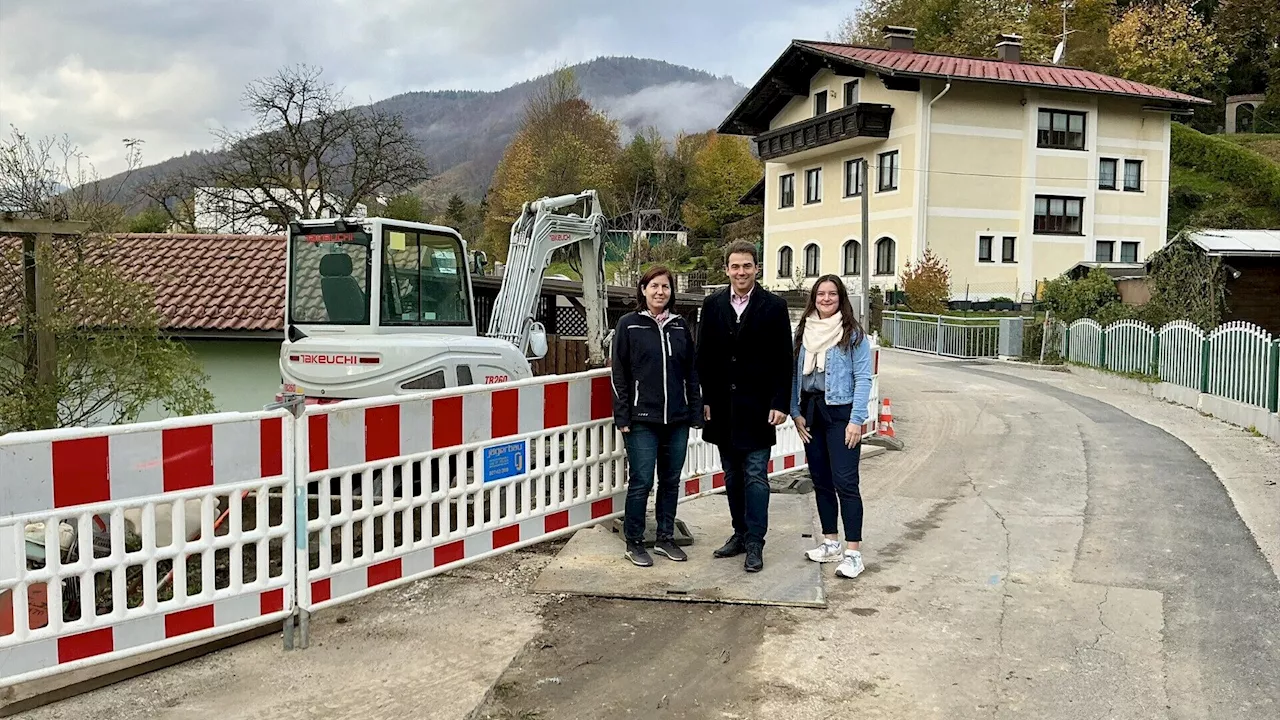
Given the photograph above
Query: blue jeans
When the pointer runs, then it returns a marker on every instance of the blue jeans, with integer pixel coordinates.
(746, 484)
(834, 470)
(653, 448)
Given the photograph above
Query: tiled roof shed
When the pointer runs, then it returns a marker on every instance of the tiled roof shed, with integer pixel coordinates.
(205, 285)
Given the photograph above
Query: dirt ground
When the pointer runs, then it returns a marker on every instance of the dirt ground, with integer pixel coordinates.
(608, 658)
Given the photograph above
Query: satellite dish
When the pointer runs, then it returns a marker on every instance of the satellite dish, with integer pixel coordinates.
(1058, 52)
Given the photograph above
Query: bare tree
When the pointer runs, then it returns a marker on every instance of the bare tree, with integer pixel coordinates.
(100, 332)
(52, 179)
(308, 154)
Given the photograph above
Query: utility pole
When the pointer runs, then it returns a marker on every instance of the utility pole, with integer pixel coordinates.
(41, 359)
(866, 246)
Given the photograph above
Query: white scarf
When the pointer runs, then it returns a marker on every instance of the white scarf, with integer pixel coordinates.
(820, 336)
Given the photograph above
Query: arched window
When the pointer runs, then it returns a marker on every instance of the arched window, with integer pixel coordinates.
(852, 256)
(885, 262)
(812, 256)
(784, 262)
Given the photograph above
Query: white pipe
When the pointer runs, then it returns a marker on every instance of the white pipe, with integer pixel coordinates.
(923, 210)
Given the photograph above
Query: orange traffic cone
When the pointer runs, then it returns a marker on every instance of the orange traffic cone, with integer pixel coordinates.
(886, 419)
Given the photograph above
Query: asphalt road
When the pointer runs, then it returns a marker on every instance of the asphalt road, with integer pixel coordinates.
(1042, 548)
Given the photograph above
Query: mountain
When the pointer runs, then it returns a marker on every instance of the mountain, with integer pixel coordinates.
(464, 133)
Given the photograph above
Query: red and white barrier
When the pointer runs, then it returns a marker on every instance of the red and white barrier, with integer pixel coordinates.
(356, 432)
(88, 515)
(551, 439)
(382, 492)
(64, 468)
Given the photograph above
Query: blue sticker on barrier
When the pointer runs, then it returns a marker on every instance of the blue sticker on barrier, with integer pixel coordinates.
(506, 461)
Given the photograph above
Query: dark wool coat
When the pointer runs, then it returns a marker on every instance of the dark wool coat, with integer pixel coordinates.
(745, 368)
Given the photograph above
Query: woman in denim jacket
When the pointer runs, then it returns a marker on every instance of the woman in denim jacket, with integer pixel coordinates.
(830, 391)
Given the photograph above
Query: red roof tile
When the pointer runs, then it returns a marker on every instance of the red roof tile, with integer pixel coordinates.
(204, 283)
(993, 70)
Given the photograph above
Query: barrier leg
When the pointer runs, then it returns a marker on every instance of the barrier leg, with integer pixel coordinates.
(288, 633)
(304, 628)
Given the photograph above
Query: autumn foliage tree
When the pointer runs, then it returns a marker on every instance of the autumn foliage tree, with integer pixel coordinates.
(723, 171)
(970, 27)
(1169, 45)
(927, 283)
(563, 146)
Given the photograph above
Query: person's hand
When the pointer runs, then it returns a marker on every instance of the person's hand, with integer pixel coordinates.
(803, 430)
(625, 430)
(852, 435)
(706, 412)
(777, 418)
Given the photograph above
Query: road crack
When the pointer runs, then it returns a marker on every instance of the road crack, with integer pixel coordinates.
(1102, 620)
(1004, 591)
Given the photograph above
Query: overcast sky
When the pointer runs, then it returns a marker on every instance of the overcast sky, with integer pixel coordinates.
(167, 71)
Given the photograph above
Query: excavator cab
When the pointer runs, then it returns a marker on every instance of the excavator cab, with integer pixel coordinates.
(417, 273)
(378, 307)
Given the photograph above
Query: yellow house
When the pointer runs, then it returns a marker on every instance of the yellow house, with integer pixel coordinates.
(1011, 171)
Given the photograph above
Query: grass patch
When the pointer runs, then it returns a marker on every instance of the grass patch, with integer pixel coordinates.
(1200, 199)
(1265, 144)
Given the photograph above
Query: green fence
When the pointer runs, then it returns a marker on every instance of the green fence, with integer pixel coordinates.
(1238, 360)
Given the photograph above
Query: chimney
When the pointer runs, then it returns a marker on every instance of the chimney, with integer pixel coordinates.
(899, 38)
(1009, 48)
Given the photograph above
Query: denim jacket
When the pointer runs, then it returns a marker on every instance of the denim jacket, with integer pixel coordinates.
(848, 379)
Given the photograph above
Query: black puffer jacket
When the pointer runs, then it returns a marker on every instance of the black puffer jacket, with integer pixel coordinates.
(654, 377)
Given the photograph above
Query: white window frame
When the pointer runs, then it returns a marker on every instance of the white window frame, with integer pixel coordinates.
(844, 181)
(781, 178)
(875, 256)
(897, 154)
(808, 170)
(1007, 236)
(814, 246)
(857, 258)
(791, 261)
(977, 249)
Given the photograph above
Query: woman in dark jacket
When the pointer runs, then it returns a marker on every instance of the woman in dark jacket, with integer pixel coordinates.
(656, 399)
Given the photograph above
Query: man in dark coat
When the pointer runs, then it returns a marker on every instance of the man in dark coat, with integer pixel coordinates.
(744, 364)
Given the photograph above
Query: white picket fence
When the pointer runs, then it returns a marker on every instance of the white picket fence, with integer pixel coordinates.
(1237, 360)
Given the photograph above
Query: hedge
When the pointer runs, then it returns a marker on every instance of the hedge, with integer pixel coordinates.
(1226, 161)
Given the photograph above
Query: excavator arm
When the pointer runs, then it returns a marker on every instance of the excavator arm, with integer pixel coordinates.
(536, 234)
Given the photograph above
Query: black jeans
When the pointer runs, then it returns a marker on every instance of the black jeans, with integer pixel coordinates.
(746, 484)
(651, 448)
(834, 468)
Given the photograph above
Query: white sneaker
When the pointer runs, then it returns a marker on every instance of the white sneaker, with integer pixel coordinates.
(851, 566)
(828, 551)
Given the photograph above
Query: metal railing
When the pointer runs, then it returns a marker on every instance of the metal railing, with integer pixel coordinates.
(944, 335)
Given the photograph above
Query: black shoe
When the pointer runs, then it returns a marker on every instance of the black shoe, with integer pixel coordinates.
(638, 555)
(670, 549)
(731, 548)
(755, 558)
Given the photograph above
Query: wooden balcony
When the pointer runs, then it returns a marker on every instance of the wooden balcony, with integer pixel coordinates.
(860, 120)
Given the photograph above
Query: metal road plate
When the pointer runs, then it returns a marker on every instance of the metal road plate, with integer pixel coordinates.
(593, 561)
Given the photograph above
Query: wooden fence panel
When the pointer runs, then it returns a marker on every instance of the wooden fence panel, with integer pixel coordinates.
(565, 354)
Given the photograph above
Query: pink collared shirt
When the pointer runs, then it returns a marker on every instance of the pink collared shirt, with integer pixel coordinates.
(739, 302)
